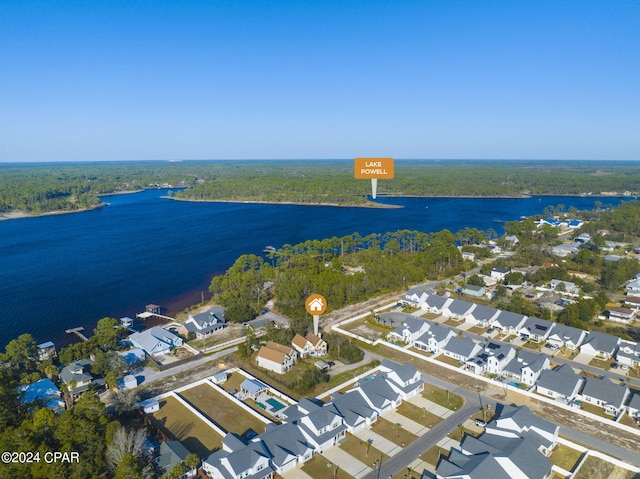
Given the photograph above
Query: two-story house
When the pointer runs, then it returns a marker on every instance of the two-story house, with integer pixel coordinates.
(204, 324)
(309, 345)
(276, 357)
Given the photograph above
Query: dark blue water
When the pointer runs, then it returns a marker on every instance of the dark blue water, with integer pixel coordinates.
(63, 271)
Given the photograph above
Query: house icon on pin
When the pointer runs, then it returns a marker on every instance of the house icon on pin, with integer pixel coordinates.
(316, 305)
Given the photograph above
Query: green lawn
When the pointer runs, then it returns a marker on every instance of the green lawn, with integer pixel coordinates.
(442, 397)
(319, 467)
(392, 432)
(565, 457)
(177, 422)
(433, 455)
(594, 468)
(447, 360)
(598, 411)
(357, 448)
(222, 410)
(418, 415)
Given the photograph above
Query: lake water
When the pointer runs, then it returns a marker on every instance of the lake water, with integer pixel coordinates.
(63, 271)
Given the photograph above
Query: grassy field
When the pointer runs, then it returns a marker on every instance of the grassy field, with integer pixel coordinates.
(319, 467)
(355, 447)
(594, 468)
(418, 415)
(447, 360)
(222, 410)
(565, 457)
(442, 397)
(177, 422)
(389, 430)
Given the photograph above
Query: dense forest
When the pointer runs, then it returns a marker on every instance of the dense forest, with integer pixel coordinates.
(345, 270)
(48, 187)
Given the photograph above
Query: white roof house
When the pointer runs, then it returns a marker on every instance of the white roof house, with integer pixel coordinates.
(155, 341)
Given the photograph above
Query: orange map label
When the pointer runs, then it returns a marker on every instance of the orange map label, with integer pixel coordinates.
(364, 168)
(316, 304)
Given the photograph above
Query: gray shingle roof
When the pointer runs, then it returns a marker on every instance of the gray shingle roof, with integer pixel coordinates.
(605, 390)
(602, 341)
(567, 333)
(171, 453)
(462, 346)
(561, 380)
(460, 307)
(435, 301)
(484, 313)
(507, 319)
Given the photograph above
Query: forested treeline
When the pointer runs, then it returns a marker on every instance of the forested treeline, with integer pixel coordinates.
(44, 187)
(345, 270)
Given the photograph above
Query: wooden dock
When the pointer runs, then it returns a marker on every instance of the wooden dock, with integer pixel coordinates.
(77, 332)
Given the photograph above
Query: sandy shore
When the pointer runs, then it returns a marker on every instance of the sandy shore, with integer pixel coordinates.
(12, 215)
(297, 203)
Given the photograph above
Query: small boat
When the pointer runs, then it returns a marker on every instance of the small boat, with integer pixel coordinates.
(269, 249)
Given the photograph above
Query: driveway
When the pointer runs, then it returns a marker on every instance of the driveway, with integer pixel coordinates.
(430, 406)
(412, 426)
(296, 473)
(380, 443)
(346, 462)
(583, 358)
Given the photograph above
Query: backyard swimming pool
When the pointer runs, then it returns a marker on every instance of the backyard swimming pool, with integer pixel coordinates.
(275, 404)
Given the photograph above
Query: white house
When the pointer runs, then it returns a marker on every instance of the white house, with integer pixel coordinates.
(435, 339)
(276, 357)
(458, 309)
(492, 359)
(600, 345)
(536, 329)
(508, 322)
(621, 315)
(435, 304)
(156, 341)
(560, 383)
(527, 366)
(461, 349)
(499, 274)
(563, 336)
(633, 287)
(204, 324)
(410, 330)
(482, 316)
(605, 394)
(311, 345)
(567, 287)
(628, 353)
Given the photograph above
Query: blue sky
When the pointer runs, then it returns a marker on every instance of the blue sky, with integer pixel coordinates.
(111, 80)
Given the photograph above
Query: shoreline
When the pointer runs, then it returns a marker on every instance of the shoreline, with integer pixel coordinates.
(12, 215)
(16, 215)
(295, 203)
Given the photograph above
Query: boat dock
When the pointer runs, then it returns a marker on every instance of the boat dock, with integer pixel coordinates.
(77, 332)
